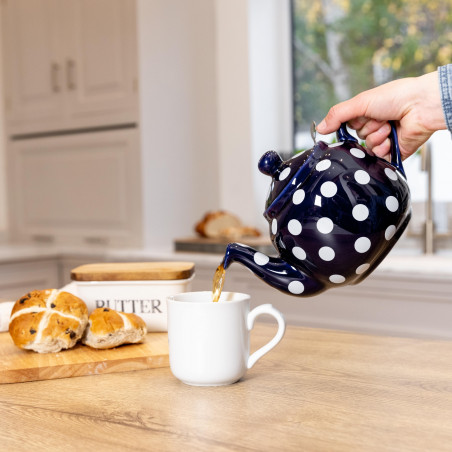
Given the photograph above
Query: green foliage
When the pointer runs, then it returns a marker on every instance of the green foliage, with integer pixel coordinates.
(390, 38)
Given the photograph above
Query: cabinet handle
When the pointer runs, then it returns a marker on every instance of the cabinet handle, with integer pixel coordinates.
(54, 77)
(70, 73)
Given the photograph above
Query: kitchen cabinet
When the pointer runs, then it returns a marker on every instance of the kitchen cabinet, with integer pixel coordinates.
(70, 64)
(18, 278)
(74, 67)
(91, 185)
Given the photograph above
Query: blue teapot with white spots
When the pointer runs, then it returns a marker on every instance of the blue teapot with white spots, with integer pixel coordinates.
(334, 213)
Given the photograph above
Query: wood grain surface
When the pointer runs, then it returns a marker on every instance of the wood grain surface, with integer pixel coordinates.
(17, 365)
(133, 271)
(316, 391)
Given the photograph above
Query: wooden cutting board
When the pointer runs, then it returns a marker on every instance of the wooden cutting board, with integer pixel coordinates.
(17, 365)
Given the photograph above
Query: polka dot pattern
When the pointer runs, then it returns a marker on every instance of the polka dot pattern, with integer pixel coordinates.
(337, 279)
(284, 173)
(360, 212)
(261, 259)
(326, 253)
(389, 232)
(323, 165)
(298, 197)
(391, 203)
(294, 227)
(358, 153)
(299, 253)
(337, 220)
(325, 225)
(391, 173)
(362, 269)
(328, 189)
(296, 287)
(362, 245)
(274, 226)
(362, 177)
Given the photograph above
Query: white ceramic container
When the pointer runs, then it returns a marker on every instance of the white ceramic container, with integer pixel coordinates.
(117, 286)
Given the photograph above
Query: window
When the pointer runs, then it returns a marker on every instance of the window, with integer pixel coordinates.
(342, 47)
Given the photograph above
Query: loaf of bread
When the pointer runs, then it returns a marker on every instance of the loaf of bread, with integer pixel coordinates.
(47, 321)
(239, 232)
(108, 328)
(213, 223)
(223, 225)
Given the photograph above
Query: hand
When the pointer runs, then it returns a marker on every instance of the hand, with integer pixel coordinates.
(413, 103)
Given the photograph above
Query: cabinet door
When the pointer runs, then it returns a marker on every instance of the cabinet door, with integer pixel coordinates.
(33, 71)
(81, 189)
(70, 64)
(100, 63)
(18, 278)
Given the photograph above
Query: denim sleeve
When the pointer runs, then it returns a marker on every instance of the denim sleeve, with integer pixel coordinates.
(445, 85)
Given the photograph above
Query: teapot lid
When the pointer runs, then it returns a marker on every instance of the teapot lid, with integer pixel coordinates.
(285, 173)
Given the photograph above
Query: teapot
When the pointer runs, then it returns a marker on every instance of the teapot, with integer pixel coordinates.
(334, 213)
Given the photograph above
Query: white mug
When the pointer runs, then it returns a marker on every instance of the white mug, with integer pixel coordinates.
(209, 343)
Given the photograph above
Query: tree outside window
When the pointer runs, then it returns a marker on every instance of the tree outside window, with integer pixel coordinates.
(342, 47)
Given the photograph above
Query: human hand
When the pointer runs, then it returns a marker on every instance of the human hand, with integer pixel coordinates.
(413, 103)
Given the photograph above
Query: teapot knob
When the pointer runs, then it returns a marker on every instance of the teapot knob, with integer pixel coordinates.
(270, 163)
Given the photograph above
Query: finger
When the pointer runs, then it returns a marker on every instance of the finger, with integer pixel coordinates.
(343, 112)
(382, 150)
(377, 137)
(358, 123)
(373, 126)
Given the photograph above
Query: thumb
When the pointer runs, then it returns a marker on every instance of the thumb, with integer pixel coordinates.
(343, 112)
(330, 122)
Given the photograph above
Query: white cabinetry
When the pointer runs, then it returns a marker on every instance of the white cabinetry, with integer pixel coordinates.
(81, 188)
(18, 278)
(71, 118)
(69, 64)
(71, 69)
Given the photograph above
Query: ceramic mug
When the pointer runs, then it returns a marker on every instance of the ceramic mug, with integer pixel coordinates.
(209, 342)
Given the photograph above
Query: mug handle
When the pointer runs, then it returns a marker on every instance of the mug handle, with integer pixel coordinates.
(265, 309)
(396, 159)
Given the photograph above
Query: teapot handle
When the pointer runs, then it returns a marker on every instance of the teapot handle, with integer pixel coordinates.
(396, 159)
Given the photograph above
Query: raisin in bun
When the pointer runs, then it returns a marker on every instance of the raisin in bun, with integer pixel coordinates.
(47, 320)
(108, 328)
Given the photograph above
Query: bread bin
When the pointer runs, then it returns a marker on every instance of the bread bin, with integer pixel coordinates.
(138, 287)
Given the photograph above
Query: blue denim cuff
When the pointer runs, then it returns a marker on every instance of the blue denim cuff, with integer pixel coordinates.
(445, 86)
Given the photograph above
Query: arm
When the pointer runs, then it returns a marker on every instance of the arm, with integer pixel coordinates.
(416, 104)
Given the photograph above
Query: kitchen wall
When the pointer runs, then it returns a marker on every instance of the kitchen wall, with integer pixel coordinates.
(178, 116)
(3, 207)
(254, 98)
(215, 95)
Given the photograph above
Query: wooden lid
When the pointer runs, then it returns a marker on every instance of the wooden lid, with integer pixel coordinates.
(133, 271)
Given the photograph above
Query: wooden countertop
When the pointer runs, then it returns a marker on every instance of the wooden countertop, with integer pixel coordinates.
(317, 390)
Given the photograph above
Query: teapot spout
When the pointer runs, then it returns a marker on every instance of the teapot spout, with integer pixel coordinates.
(273, 271)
